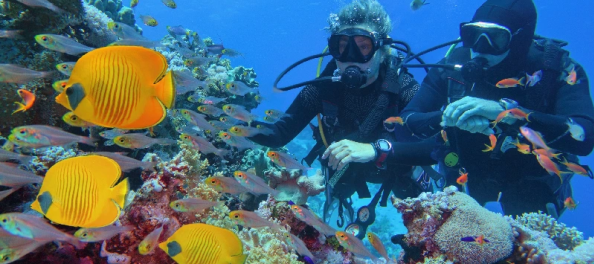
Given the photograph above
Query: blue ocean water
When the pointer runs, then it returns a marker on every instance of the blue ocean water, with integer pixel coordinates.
(274, 34)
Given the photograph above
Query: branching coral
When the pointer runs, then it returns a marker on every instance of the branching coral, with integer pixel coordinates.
(293, 186)
(565, 238)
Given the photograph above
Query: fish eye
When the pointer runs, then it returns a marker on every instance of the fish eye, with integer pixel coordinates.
(84, 234)
(6, 258)
(64, 66)
(176, 205)
(74, 118)
(122, 140)
(236, 216)
(22, 131)
(213, 181)
(44, 38)
(63, 84)
(4, 220)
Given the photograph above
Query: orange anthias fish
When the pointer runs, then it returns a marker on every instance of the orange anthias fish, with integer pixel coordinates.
(514, 113)
(312, 219)
(28, 100)
(149, 243)
(577, 169)
(534, 137)
(571, 78)
(394, 120)
(522, 148)
(549, 165)
(549, 154)
(510, 82)
(480, 240)
(354, 245)
(251, 219)
(225, 184)
(284, 160)
(378, 245)
(444, 136)
(569, 203)
(135, 98)
(463, 179)
(493, 140)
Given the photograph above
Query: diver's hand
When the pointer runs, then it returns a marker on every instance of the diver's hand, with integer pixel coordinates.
(458, 112)
(476, 124)
(346, 151)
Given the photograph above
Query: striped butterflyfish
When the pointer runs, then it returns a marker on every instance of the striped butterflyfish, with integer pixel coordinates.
(205, 244)
(125, 87)
(82, 191)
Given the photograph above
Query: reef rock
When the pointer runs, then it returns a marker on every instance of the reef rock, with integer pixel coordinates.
(293, 186)
(437, 222)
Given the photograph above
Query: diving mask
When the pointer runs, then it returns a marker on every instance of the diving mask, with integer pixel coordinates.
(487, 38)
(355, 45)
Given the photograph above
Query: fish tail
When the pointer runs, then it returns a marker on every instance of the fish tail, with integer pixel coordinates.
(522, 81)
(118, 193)
(87, 140)
(21, 108)
(489, 148)
(165, 90)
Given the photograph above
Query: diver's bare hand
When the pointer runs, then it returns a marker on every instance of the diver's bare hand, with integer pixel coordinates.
(346, 151)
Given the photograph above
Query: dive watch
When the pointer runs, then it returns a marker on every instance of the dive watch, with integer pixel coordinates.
(382, 149)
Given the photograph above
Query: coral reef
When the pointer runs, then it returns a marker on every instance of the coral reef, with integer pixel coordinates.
(115, 10)
(293, 186)
(437, 222)
(564, 237)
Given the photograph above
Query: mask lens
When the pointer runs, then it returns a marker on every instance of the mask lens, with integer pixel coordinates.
(485, 38)
(352, 48)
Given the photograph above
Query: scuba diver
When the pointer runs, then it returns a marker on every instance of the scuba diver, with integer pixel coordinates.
(505, 66)
(360, 87)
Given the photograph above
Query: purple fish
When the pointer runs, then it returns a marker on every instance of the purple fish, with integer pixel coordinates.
(481, 240)
(126, 163)
(41, 3)
(533, 79)
(12, 176)
(10, 73)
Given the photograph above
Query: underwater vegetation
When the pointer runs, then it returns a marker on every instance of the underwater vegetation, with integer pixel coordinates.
(168, 182)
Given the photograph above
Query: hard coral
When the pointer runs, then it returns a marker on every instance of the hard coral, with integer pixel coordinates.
(293, 186)
(437, 222)
(564, 237)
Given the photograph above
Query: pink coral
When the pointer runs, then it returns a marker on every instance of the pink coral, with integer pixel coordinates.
(293, 186)
(437, 222)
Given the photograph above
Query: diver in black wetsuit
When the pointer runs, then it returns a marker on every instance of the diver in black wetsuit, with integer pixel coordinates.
(371, 88)
(499, 43)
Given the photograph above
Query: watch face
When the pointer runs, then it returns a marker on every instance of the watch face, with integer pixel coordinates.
(383, 145)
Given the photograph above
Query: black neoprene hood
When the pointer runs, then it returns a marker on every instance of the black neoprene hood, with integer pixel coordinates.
(515, 15)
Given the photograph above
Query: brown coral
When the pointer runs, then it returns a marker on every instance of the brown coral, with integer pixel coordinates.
(293, 186)
(437, 222)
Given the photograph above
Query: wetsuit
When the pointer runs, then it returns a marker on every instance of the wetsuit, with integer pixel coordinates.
(525, 185)
(353, 108)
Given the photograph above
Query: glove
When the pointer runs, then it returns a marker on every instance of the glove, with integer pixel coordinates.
(458, 112)
(346, 151)
(477, 124)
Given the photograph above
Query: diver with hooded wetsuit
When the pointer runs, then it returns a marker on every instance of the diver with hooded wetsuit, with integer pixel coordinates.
(368, 87)
(498, 44)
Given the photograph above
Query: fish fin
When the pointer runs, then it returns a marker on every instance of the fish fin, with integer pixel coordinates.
(151, 117)
(118, 193)
(165, 90)
(75, 94)
(522, 81)
(20, 108)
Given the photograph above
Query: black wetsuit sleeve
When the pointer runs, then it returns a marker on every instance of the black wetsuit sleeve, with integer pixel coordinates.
(305, 106)
(412, 153)
(572, 101)
(423, 114)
